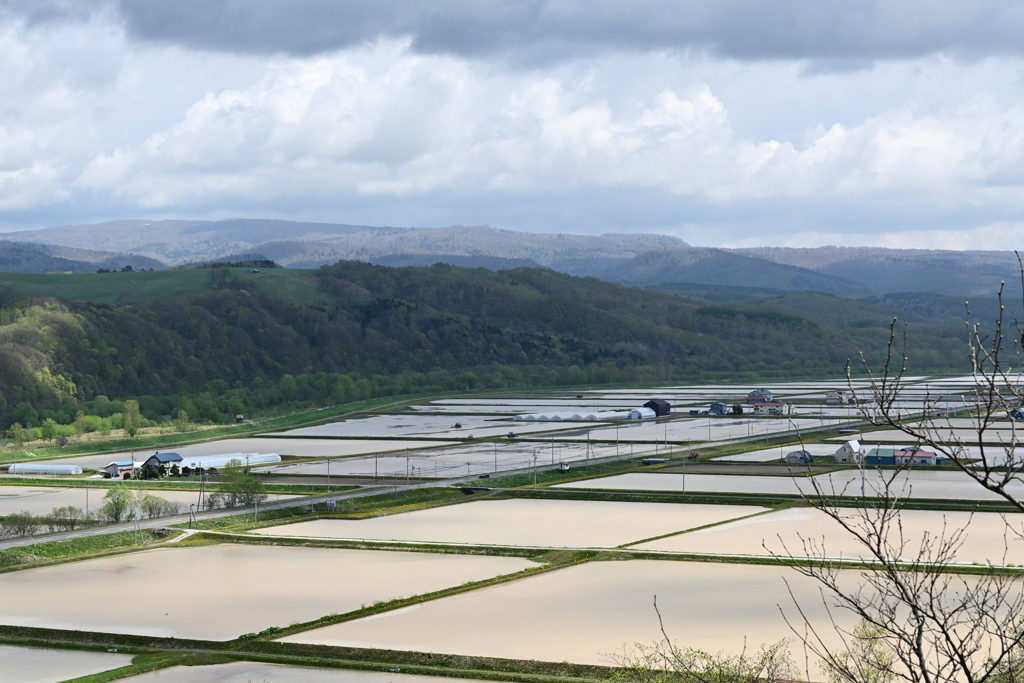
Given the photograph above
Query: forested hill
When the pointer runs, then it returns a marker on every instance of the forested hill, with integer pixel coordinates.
(351, 330)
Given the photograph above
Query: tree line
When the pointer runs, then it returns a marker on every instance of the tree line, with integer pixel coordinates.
(384, 331)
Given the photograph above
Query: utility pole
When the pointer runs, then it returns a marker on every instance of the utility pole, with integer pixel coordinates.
(328, 475)
(375, 469)
(535, 469)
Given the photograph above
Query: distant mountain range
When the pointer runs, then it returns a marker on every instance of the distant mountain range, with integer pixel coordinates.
(655, 261)
(20, 257)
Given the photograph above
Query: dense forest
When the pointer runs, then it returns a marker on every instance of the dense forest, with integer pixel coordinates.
(381, 331)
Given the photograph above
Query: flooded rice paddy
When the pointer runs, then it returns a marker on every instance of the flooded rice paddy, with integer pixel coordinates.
(255, 672)
(696, 429)
(427, 426)
(582, 613)
(458, 461)
(943, 435)
(779, 452)
(39, 665)
(915, 484)
(40, 500)
(220, 592)
(521, 522)
(989, 537)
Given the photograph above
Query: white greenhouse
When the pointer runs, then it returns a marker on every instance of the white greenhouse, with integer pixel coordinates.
(42, 468)
(207, 461)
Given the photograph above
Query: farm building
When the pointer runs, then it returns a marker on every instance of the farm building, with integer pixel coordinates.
(117, 470)
(799, 458)
(597, 416)
(911, 455)
(839, 397)
(760, 396)
(158, 460)
(641, 414)
(660, 407)
(42, 468)
(718, 408)
(915, 455)
(773, 408)
(208, 461)
(850, 452)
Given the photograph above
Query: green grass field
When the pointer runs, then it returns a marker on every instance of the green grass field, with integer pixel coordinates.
(295, 285)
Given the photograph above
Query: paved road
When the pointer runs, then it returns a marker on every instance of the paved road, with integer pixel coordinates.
(342, 495)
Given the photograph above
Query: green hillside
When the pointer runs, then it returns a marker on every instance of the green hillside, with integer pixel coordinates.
(217, 342)
(298, 286)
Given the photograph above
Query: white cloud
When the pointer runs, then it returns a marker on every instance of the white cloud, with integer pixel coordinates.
(380, 131)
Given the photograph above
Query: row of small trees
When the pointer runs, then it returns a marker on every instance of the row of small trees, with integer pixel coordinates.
(120, 504)
(130, 420)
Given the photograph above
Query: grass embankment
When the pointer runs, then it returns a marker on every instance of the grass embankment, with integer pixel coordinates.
(154, 653)
(146, 663)
(346, 508)
(74, 549)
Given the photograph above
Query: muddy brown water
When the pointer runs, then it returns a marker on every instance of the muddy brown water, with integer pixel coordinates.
(583, 613)
(549, 523)
(220, 592)
(40, 500)
(918, 483)
(40, 665)
(988, 537)
(255, 672)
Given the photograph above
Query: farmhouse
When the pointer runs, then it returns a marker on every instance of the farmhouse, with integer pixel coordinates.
(117, 470)
(760, 396)
(773, 408)
(850, 453)
(158, 460)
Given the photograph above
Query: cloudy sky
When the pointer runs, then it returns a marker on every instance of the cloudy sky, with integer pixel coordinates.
(753, 122)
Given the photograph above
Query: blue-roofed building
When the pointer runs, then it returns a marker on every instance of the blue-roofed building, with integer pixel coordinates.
(158, 460)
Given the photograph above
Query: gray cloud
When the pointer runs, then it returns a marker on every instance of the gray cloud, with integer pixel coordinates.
(831, 31)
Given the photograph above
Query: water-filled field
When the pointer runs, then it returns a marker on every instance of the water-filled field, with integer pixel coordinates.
(779, 452)
(39, 665)
(459, 461)
(582, 613)
(549, 523)
(40, 500)
(220, 592)
(256, 672)
(1002, 435)
(987, 537)
(697, 429)
(425, 426)
(915, 483)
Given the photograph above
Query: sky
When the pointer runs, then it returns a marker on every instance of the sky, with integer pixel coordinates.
(896, 123)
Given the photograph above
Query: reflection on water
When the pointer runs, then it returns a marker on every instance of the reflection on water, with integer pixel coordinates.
(987, 539)
(253, 672)
(40, 500)
(220, 592)
(38, 665)
(576, 614)
(915, 483)
(552, 523)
